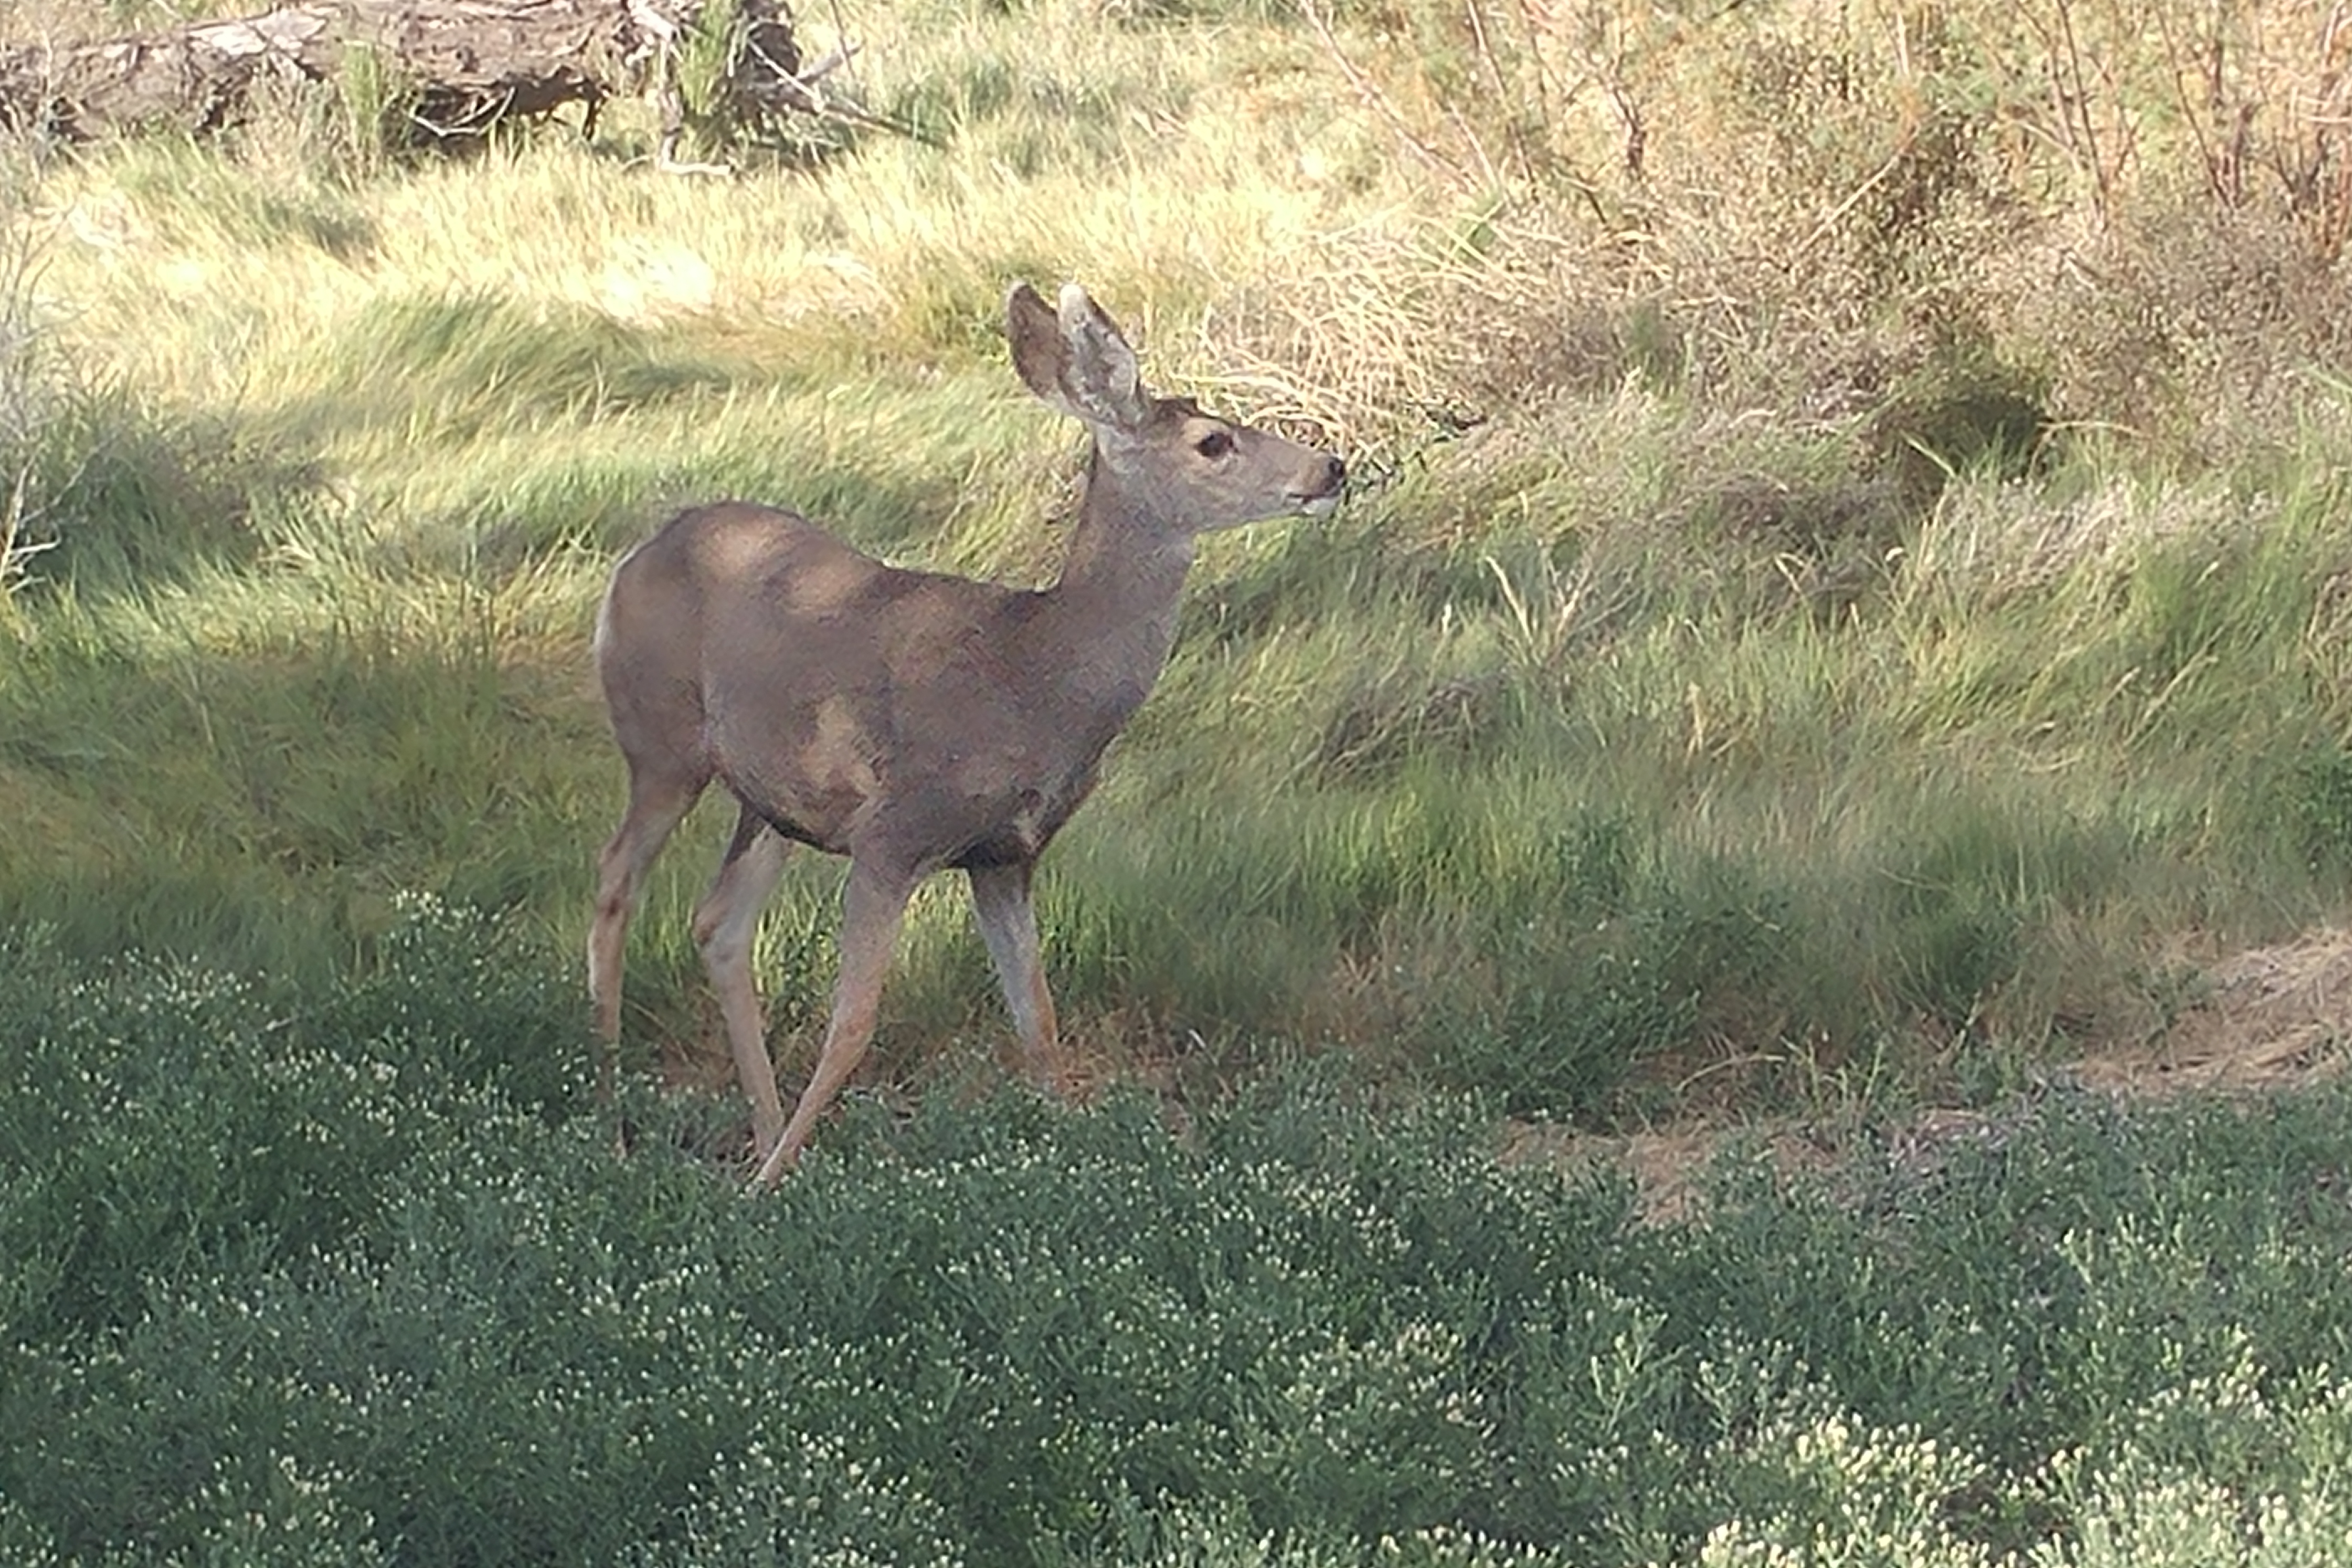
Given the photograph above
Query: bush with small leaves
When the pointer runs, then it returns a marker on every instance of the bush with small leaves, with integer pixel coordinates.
(306, 1278)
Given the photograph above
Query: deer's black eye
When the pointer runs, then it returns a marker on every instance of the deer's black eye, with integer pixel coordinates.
(1215, 444)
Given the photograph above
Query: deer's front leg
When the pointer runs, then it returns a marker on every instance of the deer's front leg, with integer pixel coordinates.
(1008, 925)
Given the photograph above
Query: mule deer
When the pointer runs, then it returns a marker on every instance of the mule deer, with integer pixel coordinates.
(910, 721)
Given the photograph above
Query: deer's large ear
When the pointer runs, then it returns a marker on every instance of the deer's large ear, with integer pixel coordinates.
(1075, 358)
(1102, 374)
(1038, 352)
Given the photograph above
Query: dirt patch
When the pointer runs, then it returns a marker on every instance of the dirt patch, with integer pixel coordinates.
(2267, 1020)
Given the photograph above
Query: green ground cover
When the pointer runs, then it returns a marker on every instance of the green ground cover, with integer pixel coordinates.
(352, 1278)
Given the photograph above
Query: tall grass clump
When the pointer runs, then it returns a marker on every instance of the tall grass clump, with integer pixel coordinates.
(106, 486)
(24, 411)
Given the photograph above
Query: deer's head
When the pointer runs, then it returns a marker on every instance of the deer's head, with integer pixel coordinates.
(1189, 470)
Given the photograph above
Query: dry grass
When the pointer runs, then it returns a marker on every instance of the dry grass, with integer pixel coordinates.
(2277, 1016)
(1404, 218)
(2137, 216)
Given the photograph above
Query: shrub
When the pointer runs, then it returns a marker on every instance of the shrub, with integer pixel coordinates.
(308, 1279)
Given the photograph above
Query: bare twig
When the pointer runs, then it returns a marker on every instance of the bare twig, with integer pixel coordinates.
(2221, 183)
(1375, 99)
(1485, 51)
(1637, 129)
(2071, 94)
(844, 49)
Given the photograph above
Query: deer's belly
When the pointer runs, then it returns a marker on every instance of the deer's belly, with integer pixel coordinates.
(923, 830)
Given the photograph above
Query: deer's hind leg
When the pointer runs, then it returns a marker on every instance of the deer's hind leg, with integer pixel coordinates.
(724, 926)
(874, 908)
(657, 802)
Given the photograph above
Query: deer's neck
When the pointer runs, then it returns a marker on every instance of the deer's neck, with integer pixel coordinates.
(1117, 600)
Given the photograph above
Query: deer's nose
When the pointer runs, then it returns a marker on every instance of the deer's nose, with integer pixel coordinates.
(1335, 474)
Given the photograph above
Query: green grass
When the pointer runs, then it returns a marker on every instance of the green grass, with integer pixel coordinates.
(1762, 642)
(1841, 606)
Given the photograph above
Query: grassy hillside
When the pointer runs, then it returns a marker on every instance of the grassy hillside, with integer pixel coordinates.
(1846, 579)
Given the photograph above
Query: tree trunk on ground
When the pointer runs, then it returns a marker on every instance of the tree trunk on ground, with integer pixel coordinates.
(454, 68)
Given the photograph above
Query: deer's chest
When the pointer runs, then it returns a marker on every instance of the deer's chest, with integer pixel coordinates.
(1011, 824)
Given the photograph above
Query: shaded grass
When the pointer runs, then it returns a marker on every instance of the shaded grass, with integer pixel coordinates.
(229, 794)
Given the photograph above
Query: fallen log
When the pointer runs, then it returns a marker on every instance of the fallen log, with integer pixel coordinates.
(455, 67)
